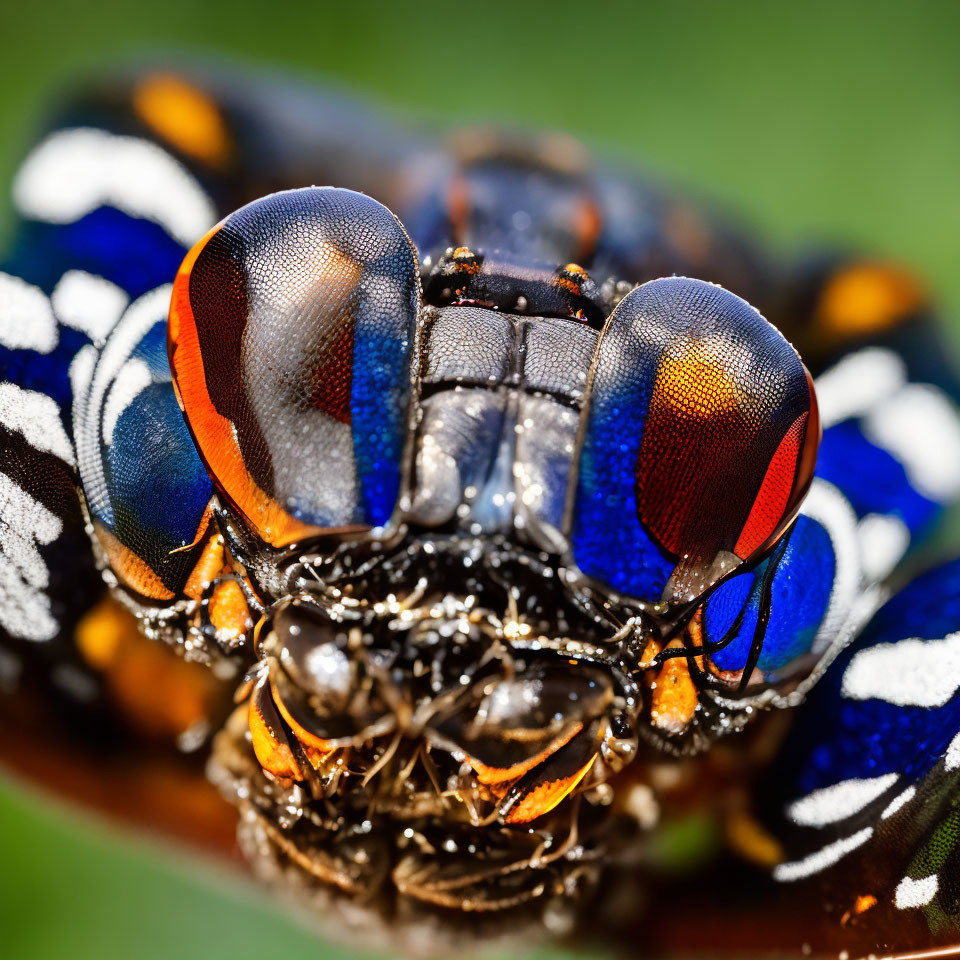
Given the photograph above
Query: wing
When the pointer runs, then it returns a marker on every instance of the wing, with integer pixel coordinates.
(868, 781)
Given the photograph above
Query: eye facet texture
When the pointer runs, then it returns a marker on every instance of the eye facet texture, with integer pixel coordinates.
(291, 336)
(145, 488)
(699, 442)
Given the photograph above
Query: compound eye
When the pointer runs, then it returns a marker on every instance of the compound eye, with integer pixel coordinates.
(699, 442)
(146, 491)
(291, 336)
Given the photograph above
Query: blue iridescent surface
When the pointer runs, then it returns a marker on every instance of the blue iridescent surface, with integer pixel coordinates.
(157, 485)
(800, 596)
(133, 253)
(136, 254)
(838, 737)
(45, 372)
(380, 394)
(871, 478)
(609, 542)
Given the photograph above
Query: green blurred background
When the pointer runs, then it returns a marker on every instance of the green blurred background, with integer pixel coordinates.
(837, 121)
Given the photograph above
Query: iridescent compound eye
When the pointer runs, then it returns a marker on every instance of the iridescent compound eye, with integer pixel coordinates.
(291, 336)
(145, 489)
(699, 442)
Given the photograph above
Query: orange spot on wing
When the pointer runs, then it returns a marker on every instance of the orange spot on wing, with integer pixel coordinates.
(868, 298)
(748, 838)
(864, 902)
(160, 694)
(184, 116)
(101, 631)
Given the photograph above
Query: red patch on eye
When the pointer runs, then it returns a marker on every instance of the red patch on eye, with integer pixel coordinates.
(774, 496)
(714, 472)
(702, 439)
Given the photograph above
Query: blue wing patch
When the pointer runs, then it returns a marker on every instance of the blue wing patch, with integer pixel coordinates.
(873, 766)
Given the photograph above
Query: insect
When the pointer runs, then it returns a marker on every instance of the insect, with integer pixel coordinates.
(501, 509)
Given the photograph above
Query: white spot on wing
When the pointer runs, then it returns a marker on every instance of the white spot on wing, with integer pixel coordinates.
(822, 858)
(858, 383)
(88, 303)
(884, 539)
(899, 801)
(916, 893)
(73, 172)
(36, 417)
(951, 758)
(26, 318)
(839, 801)
(909, 673)
(920, 427)
(25, 524)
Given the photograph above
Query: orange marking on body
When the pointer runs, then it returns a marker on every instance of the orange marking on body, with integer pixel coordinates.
(316, 758)
(184, 116)
(466, 260)
(206, 569)
(868, 298)
(213, 433)
(673, 698)
(543, 798)
(774, 494)
(303, 735)
(490, 776)
(228, 610)
(571, 278)
(272, 754)
(695, 632)
(650, 651)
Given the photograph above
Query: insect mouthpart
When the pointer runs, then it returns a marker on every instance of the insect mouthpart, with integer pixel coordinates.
(432, 759)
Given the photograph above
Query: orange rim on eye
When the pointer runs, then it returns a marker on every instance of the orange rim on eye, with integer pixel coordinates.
(213, 433)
